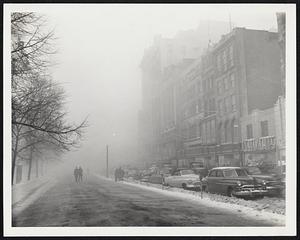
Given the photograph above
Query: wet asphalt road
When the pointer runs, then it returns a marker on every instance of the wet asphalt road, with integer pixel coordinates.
(101, 202)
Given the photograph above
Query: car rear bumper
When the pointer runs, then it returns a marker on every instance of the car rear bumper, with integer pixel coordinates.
(254, 192)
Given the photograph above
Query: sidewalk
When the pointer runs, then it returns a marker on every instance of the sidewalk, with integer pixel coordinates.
(24, 194)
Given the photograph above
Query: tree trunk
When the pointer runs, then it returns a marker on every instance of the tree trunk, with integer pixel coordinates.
(42, 166)
(14, 158)
(37, 168)
(30, 164)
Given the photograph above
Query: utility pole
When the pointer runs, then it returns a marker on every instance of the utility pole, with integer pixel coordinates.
(107, 161)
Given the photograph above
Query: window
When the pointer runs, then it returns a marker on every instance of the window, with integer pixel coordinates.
(249, 131)
(186, 172)
(235, 130)
(199, 105)
(199, 86)
(224, 105)
(213, 130)
(220, 107)
(207, 132)
(219, 62)
(213, 105)
(223, 134)
(228, 104)
(241, 172)
(213, 173)
(219, 173)
(230, 173)
(230, 63)
(232, 80)
(219, 86)
(233, 103)
(227, 132)
(224, 60)
(225, 83)
(199, 129)
(264, 128)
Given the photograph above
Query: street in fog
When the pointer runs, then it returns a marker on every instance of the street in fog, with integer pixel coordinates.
(101, 202)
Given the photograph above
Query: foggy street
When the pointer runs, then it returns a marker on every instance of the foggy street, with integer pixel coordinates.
(101, 202)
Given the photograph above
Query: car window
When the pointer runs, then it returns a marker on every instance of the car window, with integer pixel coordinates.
(230, 173)
(185, 172)
(219, 173)
(213, 173)
(253, 170)
(176, 174)
(241, 172)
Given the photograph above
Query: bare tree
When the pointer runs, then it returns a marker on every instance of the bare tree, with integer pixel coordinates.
(38, 114)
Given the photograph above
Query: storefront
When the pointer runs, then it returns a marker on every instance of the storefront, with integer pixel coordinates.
(260, 152)
(229, 155)
(202, 154)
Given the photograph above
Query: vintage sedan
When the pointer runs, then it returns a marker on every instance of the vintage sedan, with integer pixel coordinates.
(183, 178)
(233, 181)
(274, 182)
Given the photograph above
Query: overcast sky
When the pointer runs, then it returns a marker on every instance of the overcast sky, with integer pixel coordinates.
(100, 48)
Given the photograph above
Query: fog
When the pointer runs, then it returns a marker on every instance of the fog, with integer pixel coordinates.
(100, 49)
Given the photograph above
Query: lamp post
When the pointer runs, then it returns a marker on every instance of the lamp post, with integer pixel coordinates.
(114, 134)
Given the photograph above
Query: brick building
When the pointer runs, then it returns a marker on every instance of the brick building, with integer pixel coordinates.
(194, 107)
(246, 62)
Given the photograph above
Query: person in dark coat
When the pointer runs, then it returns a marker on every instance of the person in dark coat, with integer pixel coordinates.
(80, 173)
(76, 174)
(117, 173)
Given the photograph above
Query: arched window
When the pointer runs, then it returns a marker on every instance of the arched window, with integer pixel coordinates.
(222, 131)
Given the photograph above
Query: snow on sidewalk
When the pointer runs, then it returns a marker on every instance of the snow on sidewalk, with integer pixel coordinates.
(209, 201)
(24, 194)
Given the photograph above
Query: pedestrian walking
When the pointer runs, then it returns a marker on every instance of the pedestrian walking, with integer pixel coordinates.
(76, 174)
(116, 174)
(80, 173)
(122, 173)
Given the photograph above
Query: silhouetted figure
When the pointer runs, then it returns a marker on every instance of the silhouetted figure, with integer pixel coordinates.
(121, 174)
(80, 173)
(76, 174)
(117, 172)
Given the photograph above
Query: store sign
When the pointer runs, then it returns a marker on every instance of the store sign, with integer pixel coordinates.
(259, 144)
(228, 147)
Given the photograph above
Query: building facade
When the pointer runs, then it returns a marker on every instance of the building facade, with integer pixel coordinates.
(197, 108)
(245, 62)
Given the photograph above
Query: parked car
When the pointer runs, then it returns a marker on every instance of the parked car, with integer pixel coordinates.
(185, 178)
(275, 183)
(132, 174)
(233, 181)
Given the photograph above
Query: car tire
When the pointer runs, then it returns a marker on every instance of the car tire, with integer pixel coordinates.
(230, 192)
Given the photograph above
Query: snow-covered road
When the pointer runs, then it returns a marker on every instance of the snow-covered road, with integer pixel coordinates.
(101, 202)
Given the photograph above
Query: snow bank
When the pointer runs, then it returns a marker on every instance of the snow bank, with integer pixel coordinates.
(254, 209)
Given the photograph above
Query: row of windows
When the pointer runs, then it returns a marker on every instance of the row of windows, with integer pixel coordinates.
(206, 131)
(228, 132)
(227, 105)
(198, 106)
(226, 83)
(264, 129)
(225, 59)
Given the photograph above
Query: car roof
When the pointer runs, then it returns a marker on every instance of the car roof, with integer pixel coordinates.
(225, 168)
